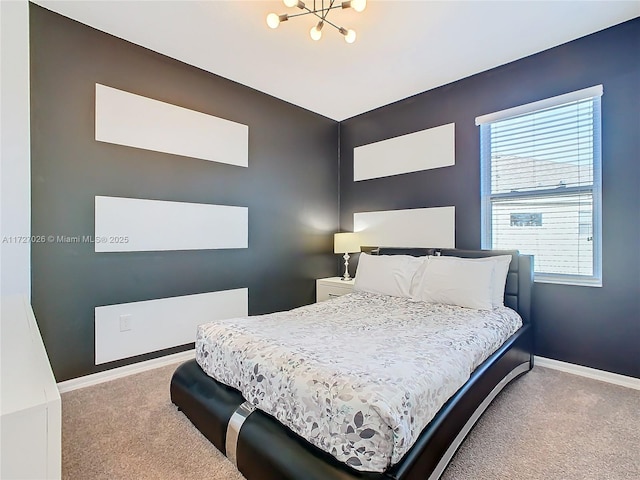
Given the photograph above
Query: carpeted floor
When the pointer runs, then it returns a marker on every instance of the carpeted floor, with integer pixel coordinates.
(546, 425)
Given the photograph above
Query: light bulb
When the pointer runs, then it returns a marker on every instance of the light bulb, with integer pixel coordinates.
(290, 3)
(315, 34)
(350, 36)
(273, 20)
(358, 5)
(316, 31)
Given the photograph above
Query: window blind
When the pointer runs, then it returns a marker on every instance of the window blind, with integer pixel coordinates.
(541, 185)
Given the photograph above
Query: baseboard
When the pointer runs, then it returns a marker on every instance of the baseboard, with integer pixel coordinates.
(113, 374)
(616, 379)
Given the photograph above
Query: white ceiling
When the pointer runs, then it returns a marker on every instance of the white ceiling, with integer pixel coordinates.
(403, 47)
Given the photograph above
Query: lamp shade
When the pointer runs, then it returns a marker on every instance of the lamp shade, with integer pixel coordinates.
(346, 242)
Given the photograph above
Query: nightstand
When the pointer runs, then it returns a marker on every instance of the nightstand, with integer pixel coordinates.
(331, 287)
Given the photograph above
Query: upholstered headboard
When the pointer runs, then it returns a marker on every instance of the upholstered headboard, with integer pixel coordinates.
(517, 292)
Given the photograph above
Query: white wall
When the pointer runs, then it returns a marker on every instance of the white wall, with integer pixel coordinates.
(15, 170)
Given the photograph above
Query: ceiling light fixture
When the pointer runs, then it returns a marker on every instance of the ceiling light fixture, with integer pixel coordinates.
(273, 19)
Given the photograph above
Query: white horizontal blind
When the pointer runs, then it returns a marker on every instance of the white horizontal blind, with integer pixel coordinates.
(541, 188)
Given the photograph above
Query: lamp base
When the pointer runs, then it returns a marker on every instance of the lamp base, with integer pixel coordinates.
(346, 276)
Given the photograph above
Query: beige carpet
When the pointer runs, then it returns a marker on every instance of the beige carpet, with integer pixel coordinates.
(546, 425)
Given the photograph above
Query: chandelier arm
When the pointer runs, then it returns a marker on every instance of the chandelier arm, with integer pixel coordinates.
(309, 11)
(326, 12)
(320, 17)
(300, 14)
(332, 24)
(323, 17)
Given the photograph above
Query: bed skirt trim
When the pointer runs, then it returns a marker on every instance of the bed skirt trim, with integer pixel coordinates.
(233, 430)
(267, 450)
(453, 448)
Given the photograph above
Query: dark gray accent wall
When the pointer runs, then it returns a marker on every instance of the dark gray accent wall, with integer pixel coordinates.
(290, 188)
(595, 327)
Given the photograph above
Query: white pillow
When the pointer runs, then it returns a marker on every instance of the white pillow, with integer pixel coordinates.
(386, 274)
(500, 271)
(455, 281)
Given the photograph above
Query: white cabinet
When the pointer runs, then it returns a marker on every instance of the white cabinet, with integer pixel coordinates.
(30, 407)
(327, 288)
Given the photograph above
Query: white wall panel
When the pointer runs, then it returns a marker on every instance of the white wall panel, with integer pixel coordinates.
(131, 224)
(15, 154)
(424, 150)
(127, 119)
(163, 323)
(419, 227)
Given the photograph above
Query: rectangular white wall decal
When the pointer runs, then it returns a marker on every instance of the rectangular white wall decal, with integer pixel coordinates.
(419, 227)
(127, 119)
(424, 150)
(130, 329)
(131, 224)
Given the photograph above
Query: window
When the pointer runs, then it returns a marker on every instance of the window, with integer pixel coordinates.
(541, 185)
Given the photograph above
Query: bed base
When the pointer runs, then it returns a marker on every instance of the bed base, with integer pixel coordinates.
(267, 450)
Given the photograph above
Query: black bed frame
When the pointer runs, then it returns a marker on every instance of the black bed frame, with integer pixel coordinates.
(267, 450)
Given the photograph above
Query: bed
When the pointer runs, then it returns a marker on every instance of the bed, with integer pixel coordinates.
(280, 440)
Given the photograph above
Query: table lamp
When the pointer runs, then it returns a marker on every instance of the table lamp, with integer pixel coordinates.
(346, 243)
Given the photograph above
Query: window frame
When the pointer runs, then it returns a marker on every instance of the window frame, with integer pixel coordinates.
(595, 189)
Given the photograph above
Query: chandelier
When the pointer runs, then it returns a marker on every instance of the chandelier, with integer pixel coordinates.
(273, 19)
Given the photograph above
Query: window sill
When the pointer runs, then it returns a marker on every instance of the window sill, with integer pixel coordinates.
(568, 280)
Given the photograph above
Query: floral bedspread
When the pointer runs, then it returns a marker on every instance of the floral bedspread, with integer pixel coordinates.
(359, 376)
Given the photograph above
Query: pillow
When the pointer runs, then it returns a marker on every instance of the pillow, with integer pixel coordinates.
(455, 281)
(386, 274)
(500, 271)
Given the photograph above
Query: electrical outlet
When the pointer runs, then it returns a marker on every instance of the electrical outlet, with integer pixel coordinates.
(125, 322)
